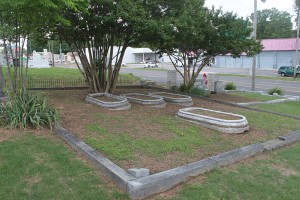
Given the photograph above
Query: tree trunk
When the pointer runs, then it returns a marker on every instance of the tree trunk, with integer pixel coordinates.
(2, 82)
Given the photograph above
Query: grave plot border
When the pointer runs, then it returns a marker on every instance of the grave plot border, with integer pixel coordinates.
(140, 188)
(282, 98)
(121, 104)
(158, 103)
(223, 125)
(183, 100)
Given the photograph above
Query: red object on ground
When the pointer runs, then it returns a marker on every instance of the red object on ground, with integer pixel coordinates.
(205, 79)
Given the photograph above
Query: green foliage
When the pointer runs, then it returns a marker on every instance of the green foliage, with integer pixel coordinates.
(198, 91)
(273, 23)
(184, 88)
(174, 88)
(276, 90)
(103, 25)
(193, 35)
(26, 110)
(230, 86)
(35, 168)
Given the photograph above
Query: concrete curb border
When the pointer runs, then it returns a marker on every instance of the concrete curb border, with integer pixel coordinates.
(283, 98)
(157, 103)
(121, 104)
(233, 104)
(223, 125)
(140, 188)
(183, 100)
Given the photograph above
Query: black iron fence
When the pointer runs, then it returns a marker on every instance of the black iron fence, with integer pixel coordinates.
(53, 83)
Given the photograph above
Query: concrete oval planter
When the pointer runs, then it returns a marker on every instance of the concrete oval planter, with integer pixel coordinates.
(178, 99)
(151, 101)
(233, 126)
(117, 103)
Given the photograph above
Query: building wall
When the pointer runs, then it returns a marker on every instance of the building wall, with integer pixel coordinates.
(265, 60)
(229, 62)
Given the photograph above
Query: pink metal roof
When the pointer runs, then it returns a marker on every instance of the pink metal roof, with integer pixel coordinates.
(284, 44)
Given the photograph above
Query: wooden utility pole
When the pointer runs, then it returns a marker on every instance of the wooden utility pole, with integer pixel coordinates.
(297, 46)
(254, 38)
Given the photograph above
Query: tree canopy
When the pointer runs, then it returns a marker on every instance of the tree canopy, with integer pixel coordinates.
(273, 23)
(194, 35)
(101, 30)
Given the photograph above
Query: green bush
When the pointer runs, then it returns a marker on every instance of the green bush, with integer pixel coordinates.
(230, 86)
(184, 88)
(26, 110)
(198, 91)
(174, 88)
(276, 90)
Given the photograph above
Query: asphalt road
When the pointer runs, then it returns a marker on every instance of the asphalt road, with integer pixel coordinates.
(290, 87)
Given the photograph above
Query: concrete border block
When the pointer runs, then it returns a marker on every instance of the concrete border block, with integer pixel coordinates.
(155, 102)
(274, 144)
(233, 126)
(291, 137)
(121, 103)
(236, 155)
(140, 188)
(160, 182)
(116, 173)
(178, 99)
(139, 172)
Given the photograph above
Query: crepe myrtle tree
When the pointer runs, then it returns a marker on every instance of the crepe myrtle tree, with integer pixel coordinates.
(102, 32)
(196, 34)
(20, 19)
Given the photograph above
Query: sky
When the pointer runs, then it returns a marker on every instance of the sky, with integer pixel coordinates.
(244, 8)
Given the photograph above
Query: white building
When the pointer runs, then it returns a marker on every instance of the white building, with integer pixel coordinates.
(275, 53)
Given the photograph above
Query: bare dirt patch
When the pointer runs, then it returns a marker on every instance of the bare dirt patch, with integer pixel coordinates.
(285, 170)
(170, 95)
(215, 115)
(141, 96)
(106, 99)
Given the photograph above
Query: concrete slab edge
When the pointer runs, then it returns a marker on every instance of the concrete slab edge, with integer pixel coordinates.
(109, 168)
(140, 188)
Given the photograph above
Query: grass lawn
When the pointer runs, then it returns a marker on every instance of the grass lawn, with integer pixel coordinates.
(64, 77)
(255, 96)
(274, 175)
(290, 108)
(35, 167)
(63, 73)
(264, 77)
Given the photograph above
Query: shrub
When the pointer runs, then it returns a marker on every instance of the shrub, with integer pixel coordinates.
(27, 111)
(230, 86)
(174, 88)
(184, 88)
(198, 91)
(276, 90)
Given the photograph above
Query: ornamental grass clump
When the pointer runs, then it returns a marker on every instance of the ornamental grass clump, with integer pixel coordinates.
(277, 90)
(25, 110)
(230, 86)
